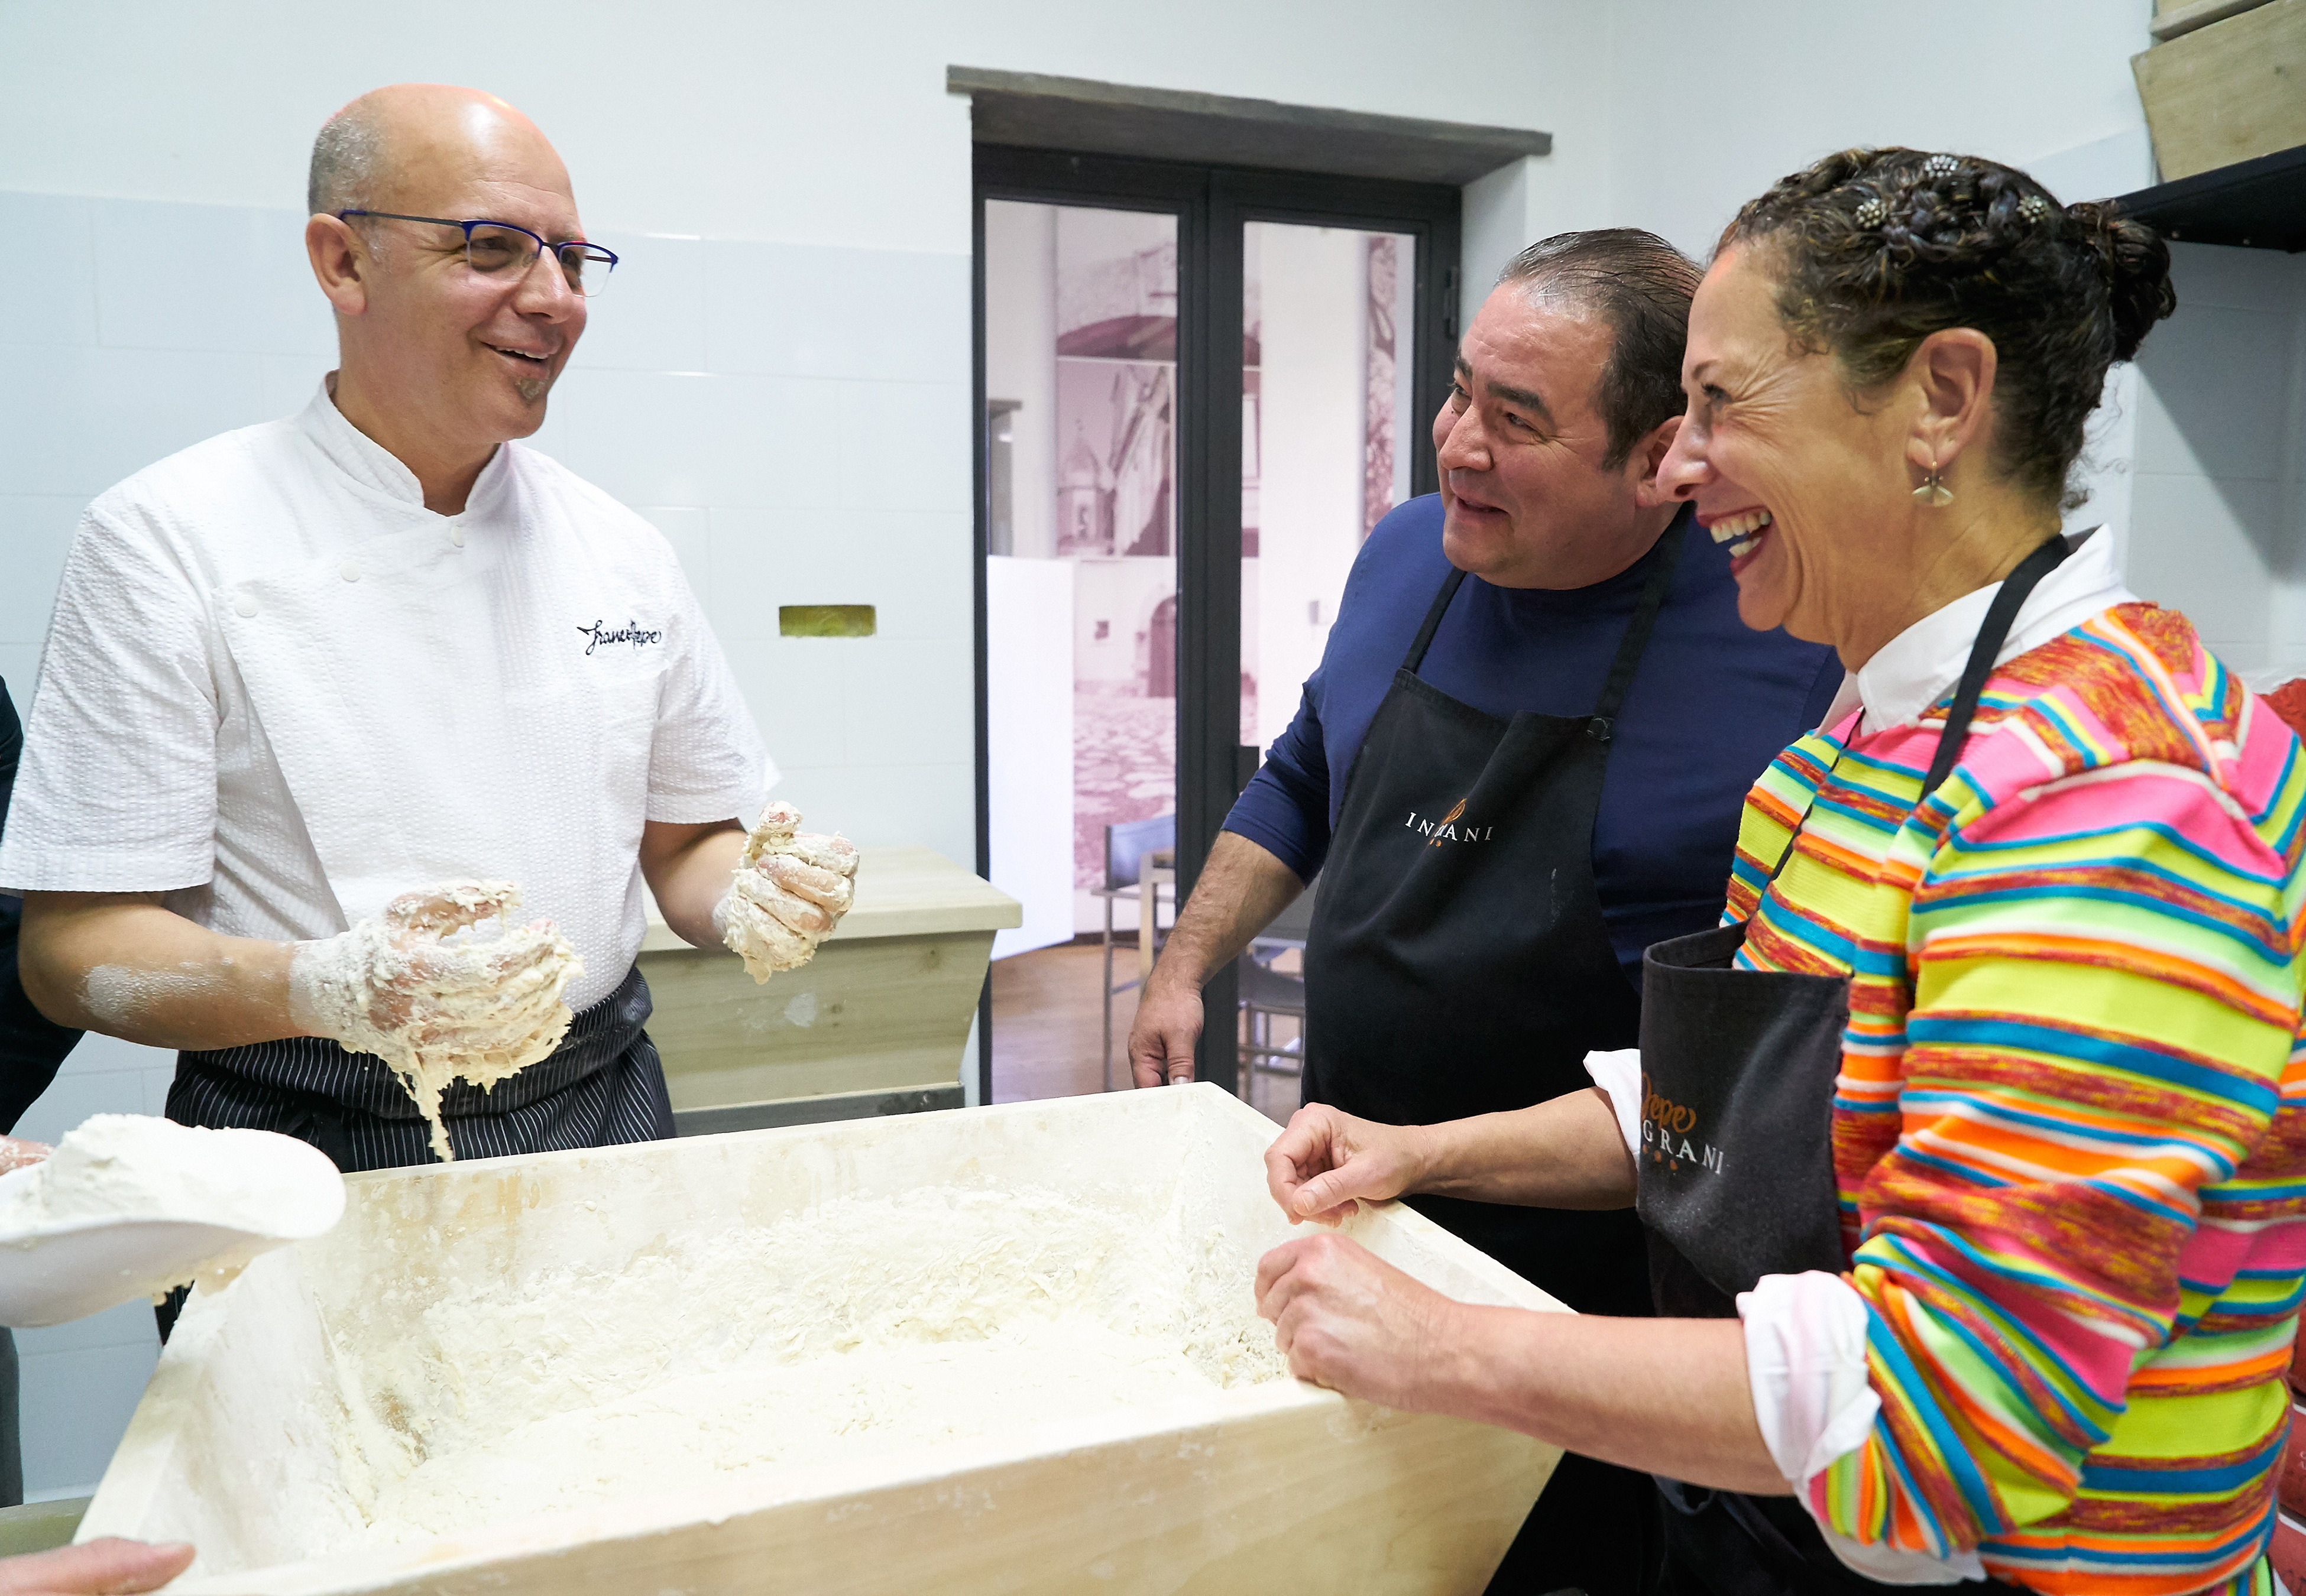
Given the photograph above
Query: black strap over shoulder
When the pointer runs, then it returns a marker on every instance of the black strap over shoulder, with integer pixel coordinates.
(1440, 607)
(1630, 647)
(1992, 632)
(1637, 639)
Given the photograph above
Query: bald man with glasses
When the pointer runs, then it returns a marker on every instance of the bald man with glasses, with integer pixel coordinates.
(303, 668)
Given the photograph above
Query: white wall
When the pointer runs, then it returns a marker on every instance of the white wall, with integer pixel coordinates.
(1711, 104)
(806, 122)
(2195, 458)
(2218, 485)
(813, 458)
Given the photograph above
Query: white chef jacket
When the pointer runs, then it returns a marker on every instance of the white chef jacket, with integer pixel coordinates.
(279, 688)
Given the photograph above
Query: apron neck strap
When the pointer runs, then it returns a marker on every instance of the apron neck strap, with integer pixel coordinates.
(1629, 648)
(1664, 561)
(1416, 658)
(1992, 633)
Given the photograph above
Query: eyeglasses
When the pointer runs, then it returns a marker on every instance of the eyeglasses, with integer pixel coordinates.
(500, 250)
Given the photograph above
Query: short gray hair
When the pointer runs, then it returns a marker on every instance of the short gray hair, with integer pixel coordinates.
(1641, 285)
(347, 157)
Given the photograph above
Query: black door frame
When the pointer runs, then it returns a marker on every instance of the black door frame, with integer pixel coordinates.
(1211, 203)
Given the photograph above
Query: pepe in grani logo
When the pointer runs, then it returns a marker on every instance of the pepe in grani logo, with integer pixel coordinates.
(1666, 1125)
(1447, 828)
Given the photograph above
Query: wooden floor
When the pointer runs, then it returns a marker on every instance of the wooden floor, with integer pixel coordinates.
(1048, 1027)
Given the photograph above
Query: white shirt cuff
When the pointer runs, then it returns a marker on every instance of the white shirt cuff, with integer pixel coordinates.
(1618, 1074)
(1806, 1366)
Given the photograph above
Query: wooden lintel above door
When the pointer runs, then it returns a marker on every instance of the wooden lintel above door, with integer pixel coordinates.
(1037, 111)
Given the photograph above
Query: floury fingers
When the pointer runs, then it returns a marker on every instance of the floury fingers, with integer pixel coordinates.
(790, 888)
(428, 989)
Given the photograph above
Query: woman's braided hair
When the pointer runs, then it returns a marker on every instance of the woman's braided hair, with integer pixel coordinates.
(1877, 249)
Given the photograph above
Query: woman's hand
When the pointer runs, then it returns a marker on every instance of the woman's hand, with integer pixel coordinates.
(1326, 1163)
(92, 1568)
(1664, 1395)
(1349, 1320)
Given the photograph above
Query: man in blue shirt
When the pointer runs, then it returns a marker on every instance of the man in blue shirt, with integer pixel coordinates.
(1520, 761)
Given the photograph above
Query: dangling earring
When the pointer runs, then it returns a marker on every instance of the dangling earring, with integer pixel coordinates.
(1934, 492)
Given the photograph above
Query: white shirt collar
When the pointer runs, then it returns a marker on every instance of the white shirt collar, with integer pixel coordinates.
(371, 464)
(1921, 664)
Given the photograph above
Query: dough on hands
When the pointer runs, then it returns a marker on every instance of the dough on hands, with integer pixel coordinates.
(428, 989)
(790, 889)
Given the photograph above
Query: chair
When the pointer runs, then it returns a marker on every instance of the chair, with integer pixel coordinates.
(1267, 993)
(1141, 856)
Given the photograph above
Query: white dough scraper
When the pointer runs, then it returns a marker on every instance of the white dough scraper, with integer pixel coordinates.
(60, 1265)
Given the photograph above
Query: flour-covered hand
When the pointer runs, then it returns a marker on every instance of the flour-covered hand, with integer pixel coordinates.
(790, 889)
(1347, 1319)
(443, 984)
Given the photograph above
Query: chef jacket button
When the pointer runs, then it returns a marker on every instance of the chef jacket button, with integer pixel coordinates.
(244, 605)
(351, 571)
(456, 536)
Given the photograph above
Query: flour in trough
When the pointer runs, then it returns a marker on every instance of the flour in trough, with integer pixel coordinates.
(858, 1327)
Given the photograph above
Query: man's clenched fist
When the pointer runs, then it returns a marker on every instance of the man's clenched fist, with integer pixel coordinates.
(791, 887)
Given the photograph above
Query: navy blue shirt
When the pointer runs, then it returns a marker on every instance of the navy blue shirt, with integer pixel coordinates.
(1713, 703)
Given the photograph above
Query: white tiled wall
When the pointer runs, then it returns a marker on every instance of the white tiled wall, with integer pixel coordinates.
(2217, 506)
(794, 418)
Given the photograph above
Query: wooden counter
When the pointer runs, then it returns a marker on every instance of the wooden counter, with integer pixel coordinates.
(875, 1023)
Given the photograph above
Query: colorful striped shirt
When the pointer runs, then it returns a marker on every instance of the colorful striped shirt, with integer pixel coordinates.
(2070, 1125)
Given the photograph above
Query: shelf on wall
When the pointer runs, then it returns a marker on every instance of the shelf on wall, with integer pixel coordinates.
(2257, 204)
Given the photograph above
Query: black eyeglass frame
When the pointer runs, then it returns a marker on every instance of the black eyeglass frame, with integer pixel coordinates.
(543, 243)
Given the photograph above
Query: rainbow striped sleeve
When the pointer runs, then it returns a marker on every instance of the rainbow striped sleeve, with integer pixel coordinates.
(2070, 1123)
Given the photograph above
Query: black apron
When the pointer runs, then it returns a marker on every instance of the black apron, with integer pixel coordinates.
(1736, 1171)
(602, 1086)
(1457, 964)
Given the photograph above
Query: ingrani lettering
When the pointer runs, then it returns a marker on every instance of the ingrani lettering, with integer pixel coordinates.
(1442, 830)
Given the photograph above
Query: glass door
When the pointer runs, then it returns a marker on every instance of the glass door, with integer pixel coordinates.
(1199, 387)
(1328, 438)
(1328, 434)
(1081, 375)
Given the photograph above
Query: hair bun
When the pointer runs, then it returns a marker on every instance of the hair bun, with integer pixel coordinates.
(2136, 267)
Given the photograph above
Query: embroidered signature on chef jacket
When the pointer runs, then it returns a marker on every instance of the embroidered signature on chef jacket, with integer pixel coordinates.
(631, 632)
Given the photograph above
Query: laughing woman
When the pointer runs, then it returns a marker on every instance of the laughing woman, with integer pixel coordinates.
(1971, 1149)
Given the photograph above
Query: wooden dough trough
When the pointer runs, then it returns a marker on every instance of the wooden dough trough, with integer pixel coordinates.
(1269, 1487)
